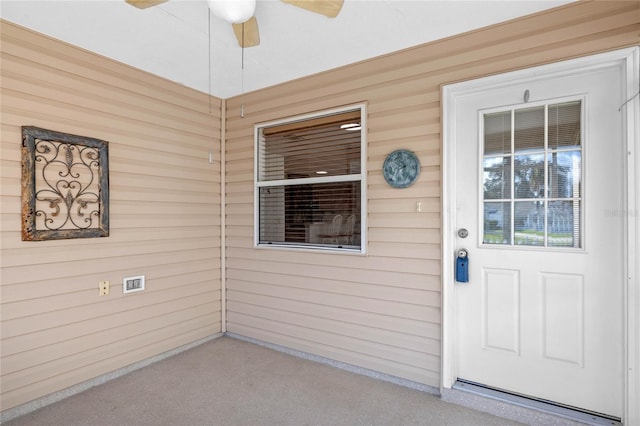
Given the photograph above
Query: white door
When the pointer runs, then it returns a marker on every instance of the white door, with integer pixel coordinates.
(539, 187)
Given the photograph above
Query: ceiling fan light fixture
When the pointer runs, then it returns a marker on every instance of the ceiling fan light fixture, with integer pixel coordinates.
(233, 11)
(351, 127)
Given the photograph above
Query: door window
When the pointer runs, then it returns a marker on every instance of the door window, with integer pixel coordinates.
(532, 176)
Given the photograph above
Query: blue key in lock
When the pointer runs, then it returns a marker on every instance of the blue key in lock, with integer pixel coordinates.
(462, 266)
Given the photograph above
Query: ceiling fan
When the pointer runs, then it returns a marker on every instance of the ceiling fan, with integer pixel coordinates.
(245, 25)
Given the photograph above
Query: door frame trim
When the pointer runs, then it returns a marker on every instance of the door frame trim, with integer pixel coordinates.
(629, 58)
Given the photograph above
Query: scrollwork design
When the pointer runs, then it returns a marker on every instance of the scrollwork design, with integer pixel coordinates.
(65, 185)
(69, 197)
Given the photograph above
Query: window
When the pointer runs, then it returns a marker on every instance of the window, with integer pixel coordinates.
(309, 188)
(532, 176)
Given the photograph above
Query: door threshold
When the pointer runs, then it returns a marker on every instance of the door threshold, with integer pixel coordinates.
(514, 400)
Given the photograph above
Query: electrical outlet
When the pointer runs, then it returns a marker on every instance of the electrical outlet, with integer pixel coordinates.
(104, 288)
(133, 284)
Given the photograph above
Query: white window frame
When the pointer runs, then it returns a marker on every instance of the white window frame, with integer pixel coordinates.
(361, 177)
(545, 151)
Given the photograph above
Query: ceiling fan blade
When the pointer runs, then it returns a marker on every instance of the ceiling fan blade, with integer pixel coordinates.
(251, 36)
(143, 4)
(328, 8)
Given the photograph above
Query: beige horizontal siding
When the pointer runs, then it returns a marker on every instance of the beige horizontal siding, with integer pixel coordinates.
(350, 350)
(382, 310)
(102, 360)
(164, 220)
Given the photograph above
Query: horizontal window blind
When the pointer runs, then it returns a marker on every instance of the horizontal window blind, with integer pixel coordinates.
(532, 176)
(315, 151)
(309, 182)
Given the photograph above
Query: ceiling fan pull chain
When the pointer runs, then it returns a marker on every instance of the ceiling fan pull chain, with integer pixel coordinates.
(242, 62)
(209, 54)
(242, 72)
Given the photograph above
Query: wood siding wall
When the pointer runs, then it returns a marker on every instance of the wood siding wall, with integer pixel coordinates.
(164, 213)
(382, 311)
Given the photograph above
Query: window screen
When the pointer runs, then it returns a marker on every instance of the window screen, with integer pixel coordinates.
(309, 182)
(532, 176)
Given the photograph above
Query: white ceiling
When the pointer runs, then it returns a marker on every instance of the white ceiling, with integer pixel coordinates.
(178, 40)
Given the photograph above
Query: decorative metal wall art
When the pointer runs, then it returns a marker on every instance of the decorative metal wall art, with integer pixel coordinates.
(401, 168)
(65, 186)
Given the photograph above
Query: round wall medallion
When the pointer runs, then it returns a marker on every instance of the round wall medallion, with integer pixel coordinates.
(401, 168)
